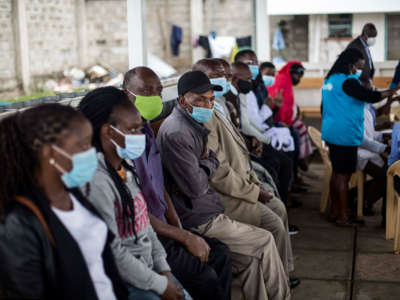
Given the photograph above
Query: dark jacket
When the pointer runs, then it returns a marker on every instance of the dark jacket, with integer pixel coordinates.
(182, 141)
(368, 70)
(32, 268)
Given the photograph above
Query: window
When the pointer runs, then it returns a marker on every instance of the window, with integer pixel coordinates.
(393, 36)
(340, 26)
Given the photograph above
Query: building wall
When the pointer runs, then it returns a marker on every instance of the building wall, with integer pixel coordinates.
(8, 73)
(52, 35)
(107, 33)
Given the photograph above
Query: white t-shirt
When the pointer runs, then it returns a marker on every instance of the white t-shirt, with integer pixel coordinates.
(90, 233)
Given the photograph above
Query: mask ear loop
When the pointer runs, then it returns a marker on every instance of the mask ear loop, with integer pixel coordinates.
(56, 165)
(121, 133)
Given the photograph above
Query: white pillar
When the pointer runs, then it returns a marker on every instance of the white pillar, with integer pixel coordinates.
(196, 26)
(22, 43)
(262, 42)
(314, 38)
(81, 29)
(136, 33)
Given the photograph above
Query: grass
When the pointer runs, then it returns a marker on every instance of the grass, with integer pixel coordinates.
(36, 95)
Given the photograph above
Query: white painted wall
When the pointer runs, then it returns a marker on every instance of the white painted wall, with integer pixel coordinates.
(306, 7)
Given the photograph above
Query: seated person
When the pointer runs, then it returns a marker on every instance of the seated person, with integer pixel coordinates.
(371, 162)
(115, 192)
(189, 167)
(203, 265)
(278, 164)
(53, 244)
(244, 197)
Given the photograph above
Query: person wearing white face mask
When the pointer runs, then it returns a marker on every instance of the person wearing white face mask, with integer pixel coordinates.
(115, 191)
(363, 42)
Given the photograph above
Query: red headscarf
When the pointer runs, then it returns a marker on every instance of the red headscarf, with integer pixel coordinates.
(283, 82)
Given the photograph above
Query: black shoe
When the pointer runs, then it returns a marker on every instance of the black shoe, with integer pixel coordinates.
(295, 204)
(294, 282)
(293, 229)
(298, 189)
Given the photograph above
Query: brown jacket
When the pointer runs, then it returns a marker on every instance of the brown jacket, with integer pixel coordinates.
(235, 182)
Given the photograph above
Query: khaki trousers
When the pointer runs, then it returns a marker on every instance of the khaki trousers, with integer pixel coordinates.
(256, 265)
(274, 219)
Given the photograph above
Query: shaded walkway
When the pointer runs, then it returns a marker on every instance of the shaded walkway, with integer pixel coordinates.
(341, 263)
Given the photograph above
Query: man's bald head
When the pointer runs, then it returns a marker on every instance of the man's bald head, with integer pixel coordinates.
(211, 67)
(142, 81)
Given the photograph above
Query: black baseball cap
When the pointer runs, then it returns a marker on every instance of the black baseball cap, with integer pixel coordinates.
(196, 82)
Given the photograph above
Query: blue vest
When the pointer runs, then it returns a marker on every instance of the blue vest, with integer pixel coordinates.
(342, 115)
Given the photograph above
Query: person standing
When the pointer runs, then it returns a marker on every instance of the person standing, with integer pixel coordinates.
(343, 100)
(362, 43)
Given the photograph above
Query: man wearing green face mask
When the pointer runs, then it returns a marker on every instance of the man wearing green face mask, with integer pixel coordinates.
(203, 265)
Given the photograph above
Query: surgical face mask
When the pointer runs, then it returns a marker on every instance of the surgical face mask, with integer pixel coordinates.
(221, 81)
(84, 165)
(358, 73)
(254, 71)
(228, 86)
(371, 41)
(149, 107)
(268, 80)
(135, 144)
(244, 86)
(201, 115)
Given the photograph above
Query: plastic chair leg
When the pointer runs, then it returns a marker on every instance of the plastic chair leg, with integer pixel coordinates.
(390, 208)
(397, 231)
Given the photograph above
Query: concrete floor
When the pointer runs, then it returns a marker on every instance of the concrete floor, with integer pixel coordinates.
(341, 263)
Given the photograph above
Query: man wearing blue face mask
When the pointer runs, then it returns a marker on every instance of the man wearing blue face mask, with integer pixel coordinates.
(189, 166)
(202, 265)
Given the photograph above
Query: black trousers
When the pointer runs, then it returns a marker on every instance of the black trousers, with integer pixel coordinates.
(280, 166)
(211, 280)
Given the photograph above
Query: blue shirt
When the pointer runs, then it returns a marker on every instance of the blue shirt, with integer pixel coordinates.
(395, 151)
(149, 170)
(342, 115)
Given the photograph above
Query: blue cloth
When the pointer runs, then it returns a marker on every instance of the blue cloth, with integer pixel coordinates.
(279, 41)
(395, 151)
(396, 77)
(343, 115)
(134, 293)
(176, 39)
(149, 170)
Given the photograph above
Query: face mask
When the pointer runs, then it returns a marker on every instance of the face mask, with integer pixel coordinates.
(244, 86)
(371, 41)
(201, 114)
(358, 73)
(84, 165)
(134, 145)
(268, 80)
(228, 86)
(254, 71)
(149, 107)
(221, 81)
(295, 81)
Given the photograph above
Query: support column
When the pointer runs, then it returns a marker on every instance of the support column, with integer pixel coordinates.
(314, 42)
(81, 30)
(262, 39)
(21, 43)
(136, 33)
(197, 26)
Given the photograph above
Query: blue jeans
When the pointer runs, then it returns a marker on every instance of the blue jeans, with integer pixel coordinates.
(135, 293)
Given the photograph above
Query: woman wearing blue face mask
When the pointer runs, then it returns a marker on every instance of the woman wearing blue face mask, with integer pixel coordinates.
(115, 191)
(53, 244)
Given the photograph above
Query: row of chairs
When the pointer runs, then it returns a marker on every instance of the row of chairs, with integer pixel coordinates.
(357, 179)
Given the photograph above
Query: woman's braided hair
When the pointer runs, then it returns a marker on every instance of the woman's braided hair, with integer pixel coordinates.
(22, 136)
(100, 107)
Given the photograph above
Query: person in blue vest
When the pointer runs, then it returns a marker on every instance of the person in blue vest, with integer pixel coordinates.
(343, 100)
